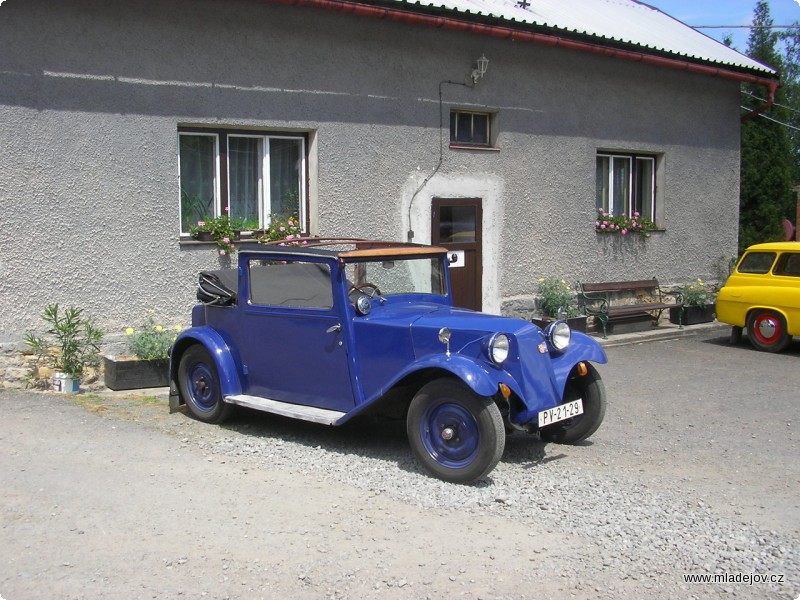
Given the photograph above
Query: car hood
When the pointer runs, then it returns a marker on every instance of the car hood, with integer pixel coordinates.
(387, 352)
(465, 320)
(468, 329)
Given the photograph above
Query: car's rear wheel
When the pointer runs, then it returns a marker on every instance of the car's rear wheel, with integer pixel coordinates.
(199, 386)
(457, 435)
(590, 389)
(766, 330)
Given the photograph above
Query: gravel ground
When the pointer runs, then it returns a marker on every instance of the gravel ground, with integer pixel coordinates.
(694, 471)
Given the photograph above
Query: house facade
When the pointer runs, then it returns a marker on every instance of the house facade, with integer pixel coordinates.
(122, 125)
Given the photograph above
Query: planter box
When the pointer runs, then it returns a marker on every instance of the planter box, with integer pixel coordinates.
(692, 315)
(575, 323)
(204, 236)
(130, 373)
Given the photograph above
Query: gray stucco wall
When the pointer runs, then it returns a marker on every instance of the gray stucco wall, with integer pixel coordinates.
(92, 94)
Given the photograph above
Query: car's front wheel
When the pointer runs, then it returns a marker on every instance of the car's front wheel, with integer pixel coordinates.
(199, 386)
(457, 435)
(766, 330)
(590, 389)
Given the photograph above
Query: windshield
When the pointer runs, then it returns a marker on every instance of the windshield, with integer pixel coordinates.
(422, 275)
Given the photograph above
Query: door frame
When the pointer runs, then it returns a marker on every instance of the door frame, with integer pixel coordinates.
(475, 246)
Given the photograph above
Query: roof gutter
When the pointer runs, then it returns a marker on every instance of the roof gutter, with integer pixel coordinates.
(507, 33)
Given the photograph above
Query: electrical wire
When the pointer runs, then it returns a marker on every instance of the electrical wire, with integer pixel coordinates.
(752, 95)
(773, 120)
(410, 233)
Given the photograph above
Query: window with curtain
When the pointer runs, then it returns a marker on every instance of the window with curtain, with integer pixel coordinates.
(249, 176)
(626, 184)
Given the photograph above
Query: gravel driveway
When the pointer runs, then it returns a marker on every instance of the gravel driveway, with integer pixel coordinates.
(695, 471)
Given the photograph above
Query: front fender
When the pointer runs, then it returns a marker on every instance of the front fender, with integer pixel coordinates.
(230, 383)
(581, 347)
(481, 380)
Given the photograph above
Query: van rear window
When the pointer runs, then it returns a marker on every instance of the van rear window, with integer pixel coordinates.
(789, 264)
(757, 262)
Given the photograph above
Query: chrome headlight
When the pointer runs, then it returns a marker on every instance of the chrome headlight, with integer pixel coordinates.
(363, 305)
(558, 335)
(499, 347)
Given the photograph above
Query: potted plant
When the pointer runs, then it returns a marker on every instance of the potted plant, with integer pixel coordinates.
(557, 300)
(72, 343)
(217, 229)
(695, 304)
(283, 229)
(147, 365)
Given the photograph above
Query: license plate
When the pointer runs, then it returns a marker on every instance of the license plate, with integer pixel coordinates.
(562, 412)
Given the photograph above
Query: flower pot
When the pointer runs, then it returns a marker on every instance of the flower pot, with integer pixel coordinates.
(130, 373)
(64, 383)
(204, 236)
(692, 315)
(575, 323)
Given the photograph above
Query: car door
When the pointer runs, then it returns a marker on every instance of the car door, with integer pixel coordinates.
(292, 345)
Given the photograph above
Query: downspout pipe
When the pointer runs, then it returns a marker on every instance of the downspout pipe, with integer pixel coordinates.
(507, 33)
(772, 88)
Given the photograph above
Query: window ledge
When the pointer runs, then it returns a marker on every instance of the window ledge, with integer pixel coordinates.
(468, 147)
(629, 234)
(185, 240)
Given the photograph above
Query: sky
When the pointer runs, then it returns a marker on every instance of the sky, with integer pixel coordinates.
(727, 12)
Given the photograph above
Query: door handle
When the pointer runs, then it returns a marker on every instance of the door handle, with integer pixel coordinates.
(334, 328)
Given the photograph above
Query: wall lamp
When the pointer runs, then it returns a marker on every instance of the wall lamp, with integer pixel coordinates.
(480, 69)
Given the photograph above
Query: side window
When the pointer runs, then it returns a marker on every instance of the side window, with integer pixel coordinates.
(290, 284)
(757, 263)
(789, 264)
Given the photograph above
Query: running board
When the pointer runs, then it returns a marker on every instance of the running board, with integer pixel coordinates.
(295, 411)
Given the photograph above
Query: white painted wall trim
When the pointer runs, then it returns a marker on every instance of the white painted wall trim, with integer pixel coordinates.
(489, 188)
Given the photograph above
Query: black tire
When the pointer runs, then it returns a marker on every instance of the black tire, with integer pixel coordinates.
(591, 390)
(198, 381)
(457, 435)
(766, 330)
(735, 335)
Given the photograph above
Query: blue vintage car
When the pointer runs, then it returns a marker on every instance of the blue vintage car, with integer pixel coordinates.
(333, 328)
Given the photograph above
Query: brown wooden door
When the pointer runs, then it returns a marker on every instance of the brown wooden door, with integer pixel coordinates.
(456, 225)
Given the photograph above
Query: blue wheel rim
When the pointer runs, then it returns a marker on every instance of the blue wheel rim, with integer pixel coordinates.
(203, 388)
(450, 434)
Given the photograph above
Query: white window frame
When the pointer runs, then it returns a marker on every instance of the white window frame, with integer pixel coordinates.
(267, 178)
(222, 201)
(608, 203)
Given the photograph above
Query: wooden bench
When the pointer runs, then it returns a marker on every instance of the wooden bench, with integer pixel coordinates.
(613, 300)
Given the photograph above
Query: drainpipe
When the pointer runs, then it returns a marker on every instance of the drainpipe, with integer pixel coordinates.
(500, 32)
(772, 88)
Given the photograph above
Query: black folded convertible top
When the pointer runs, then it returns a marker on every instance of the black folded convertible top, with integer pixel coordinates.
(218, 287)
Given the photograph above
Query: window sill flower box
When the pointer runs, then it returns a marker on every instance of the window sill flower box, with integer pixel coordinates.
(130, 373)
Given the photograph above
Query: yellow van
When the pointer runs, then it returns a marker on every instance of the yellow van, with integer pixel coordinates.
(763, 295)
